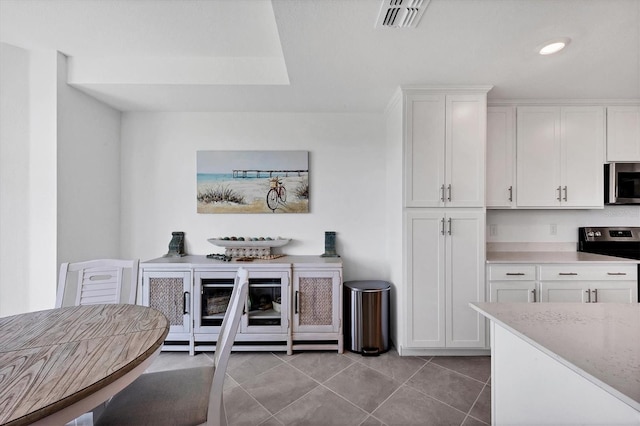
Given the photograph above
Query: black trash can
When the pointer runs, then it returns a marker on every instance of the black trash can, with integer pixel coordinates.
(366, 316)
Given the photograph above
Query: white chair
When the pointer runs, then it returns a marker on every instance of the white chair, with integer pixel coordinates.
(191, 396)
(98, 281)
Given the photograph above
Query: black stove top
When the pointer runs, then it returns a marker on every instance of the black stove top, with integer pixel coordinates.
(620, 241)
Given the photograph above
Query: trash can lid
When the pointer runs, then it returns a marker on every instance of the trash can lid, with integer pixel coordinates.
(367, 285)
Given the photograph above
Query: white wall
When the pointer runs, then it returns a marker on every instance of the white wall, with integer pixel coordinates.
(88, 158)
(14, 179)
(535, 225)
(347, 183)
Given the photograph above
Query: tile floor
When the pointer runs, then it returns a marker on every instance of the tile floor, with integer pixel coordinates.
(325, 388)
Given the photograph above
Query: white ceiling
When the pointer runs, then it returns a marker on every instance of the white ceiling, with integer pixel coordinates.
(327, 55)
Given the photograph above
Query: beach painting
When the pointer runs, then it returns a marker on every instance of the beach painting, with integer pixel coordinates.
(253, 181)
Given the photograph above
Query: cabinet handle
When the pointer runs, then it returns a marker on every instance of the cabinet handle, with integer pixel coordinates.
(534, 295)
(559, 189)
(515, 273)
(184, 303)
(449, 230)
(567, 273)
(616, 273)
(510, 193)
(442, 193)
(588, 295)
(595, 296)
(449, 191)
(565, 193)
(442, 223)
(296, 301)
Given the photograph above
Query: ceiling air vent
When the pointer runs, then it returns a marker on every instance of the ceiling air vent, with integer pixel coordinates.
(401, 13)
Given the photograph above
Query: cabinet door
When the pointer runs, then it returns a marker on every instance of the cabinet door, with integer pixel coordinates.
(265, 288)
(582, 156)
(623, 133)
(464, 278)
(564, 291)
(170, 293)
(466, 130)
(424, 150)
(538, 157)
(614, 292)
(316, 301)
(516, 291)
(501, 157)
(425, 296)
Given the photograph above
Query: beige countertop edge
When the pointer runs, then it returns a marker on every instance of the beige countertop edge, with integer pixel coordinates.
(553, 257)
(544, 325)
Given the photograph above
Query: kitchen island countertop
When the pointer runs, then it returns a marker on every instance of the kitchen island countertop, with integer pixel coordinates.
(597, 341)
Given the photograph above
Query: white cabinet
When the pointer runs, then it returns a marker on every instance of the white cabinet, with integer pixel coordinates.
(170, 293)
(444, 159)
(512, 283)
(445, 254)
(589, 283)
(193, 292)
(501, 157)
(623, 133)
(560, 156)
(317, 304)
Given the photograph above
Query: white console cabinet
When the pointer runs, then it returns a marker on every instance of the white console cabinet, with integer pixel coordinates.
(193, 291)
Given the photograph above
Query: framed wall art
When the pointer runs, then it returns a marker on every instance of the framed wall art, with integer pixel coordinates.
(253, 181)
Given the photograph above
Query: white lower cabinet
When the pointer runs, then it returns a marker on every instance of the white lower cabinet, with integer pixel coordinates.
(193, 292)
(169, 291)
(317, 304)
(445, 252)
(568, 283)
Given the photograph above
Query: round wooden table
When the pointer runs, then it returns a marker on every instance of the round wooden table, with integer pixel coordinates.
(58, 364)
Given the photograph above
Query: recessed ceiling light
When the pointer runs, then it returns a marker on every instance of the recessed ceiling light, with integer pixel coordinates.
(553, 46)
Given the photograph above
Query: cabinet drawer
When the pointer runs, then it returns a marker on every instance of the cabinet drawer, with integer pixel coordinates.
(512, 272)
(610, 272)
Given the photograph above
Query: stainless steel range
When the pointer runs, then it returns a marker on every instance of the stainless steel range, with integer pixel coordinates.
(620, 241)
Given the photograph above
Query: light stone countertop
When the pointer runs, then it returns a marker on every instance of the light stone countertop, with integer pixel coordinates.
(552, 257)
(599, 341)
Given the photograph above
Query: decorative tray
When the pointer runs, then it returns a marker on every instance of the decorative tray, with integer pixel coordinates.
(274, 242)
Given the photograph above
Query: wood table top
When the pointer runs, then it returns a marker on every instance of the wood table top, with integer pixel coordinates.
(51, 359)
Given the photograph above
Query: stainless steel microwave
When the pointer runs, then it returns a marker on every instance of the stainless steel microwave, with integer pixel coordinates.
(622, 183)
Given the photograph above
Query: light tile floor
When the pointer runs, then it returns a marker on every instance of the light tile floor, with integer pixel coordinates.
(326, 388)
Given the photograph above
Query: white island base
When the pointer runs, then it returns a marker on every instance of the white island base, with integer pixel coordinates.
(529, 387)
(542, 372)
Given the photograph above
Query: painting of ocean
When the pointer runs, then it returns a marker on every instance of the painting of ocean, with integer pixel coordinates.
(252, 181)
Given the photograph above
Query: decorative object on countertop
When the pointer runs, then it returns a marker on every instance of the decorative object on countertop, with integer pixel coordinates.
(253, 247)
(176, 245)
(253, 181)
(330, 245)
(219, 256)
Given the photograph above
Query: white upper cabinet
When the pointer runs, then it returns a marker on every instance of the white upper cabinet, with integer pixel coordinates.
(501, 156)
(560, 156)
(623, 133)
(444, 149)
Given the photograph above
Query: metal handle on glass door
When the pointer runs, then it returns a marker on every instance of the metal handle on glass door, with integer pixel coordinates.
(595, 295)
(442, 193)
(184, 303)
(295, 300)
(449, 190)
(511, 193)
(565, 193)
(449, 230)
(442, 224)
(588, 295)
(559, 189)
(534, 295)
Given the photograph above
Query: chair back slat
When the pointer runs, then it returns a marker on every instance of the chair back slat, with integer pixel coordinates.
(226, 337)
(98, 281)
